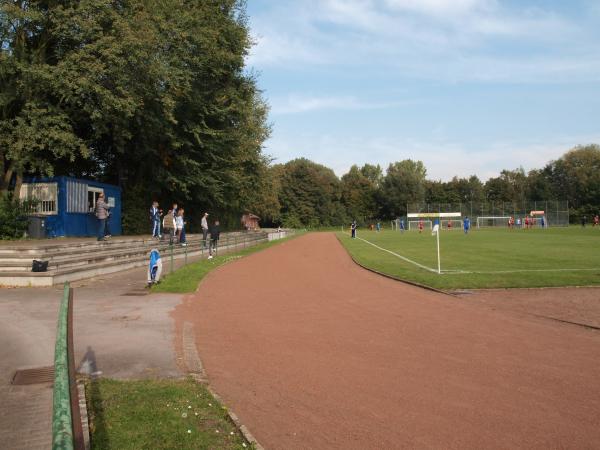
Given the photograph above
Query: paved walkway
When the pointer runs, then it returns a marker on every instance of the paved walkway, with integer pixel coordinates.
(312, 351)
(118, 334)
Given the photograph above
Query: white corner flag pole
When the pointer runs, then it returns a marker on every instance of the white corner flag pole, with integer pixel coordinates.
(436, 230)
(438, 250)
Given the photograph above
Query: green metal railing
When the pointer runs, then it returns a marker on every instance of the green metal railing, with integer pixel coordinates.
(67, 432)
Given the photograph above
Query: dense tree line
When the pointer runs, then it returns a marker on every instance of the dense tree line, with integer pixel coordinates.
(151, 95)
(309, 194)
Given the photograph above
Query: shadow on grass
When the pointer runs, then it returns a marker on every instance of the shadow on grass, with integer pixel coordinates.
(98, 433)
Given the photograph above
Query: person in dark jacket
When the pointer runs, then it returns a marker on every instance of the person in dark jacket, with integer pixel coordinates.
(215, 232)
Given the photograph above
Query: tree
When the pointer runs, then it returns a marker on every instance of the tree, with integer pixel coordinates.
(403, 183)
(359, 192)
(310, 195)
(152, 95)
(576, 177)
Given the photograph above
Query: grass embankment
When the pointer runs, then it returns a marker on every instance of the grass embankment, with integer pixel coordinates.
(186, 279)
(488, 258)
(158, 414)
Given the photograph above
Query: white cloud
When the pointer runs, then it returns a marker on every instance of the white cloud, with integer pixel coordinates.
(295, 103)
(443, 159)
(449, 40)
(440, 7)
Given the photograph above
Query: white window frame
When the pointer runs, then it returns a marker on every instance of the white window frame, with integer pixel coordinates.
(45, 193)
(95, 190)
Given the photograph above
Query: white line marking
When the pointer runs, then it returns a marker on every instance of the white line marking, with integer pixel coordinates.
(491, 272)
(463, 272)
(399, 256)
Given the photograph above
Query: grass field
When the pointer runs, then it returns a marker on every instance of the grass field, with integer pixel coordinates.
(487, 258)
(152, 414)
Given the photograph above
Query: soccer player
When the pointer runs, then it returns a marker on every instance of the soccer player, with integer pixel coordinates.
(466, 224)
(526, 222)
(420, 225)
(596, 220)
(449, 224)
(402, 226)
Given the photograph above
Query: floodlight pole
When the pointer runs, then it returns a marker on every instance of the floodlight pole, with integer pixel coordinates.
(438, 248)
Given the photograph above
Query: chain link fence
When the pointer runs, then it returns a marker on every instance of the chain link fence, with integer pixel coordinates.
(556, 212)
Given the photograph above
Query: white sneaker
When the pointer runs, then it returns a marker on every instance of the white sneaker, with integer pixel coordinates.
(209, 256)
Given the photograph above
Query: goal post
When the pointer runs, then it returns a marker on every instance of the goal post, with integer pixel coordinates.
(414, 224)
(429, 218)
(492, 221)
(455, 224)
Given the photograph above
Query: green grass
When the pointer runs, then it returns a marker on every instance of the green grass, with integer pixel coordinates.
(489, 258)
(157, 414)
(186, 279)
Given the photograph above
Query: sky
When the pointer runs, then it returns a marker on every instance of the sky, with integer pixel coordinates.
(466, 86)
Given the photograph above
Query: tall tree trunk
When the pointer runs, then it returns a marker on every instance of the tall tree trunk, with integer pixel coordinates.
(18, 183)
(5, 181)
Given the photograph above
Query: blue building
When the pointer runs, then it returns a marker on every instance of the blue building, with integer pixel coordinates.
(68, 205)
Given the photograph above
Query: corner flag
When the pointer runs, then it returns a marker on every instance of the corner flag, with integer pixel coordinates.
(436, 232)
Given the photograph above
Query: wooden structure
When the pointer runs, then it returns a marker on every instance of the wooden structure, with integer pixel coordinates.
(250, 221)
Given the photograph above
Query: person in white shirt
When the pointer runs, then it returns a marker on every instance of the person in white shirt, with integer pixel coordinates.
(204, 225)
(180, 226)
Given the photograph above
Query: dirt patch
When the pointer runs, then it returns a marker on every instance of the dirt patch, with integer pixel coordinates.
(571, 305)
(312, 351)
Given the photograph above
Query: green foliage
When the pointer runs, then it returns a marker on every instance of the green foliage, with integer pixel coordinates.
(404, 183)
(13, 217)
(150, 95)
(310, 194)
(359, 192)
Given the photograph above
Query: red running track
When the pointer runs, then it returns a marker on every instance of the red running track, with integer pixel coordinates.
(312, 351)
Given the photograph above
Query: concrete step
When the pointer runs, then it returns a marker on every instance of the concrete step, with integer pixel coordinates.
(60, 245)
(69, 260)
(90, 259)
(51, 277)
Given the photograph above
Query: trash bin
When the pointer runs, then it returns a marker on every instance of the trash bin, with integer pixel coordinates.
(37, 227)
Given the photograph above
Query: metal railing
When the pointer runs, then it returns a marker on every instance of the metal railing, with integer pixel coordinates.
(67, 432)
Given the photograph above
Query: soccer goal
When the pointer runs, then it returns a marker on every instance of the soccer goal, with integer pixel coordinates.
(455, 224)
(492, 221)
(414, 224)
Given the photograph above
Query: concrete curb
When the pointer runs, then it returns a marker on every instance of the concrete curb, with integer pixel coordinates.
(392, 277)
(195, 369)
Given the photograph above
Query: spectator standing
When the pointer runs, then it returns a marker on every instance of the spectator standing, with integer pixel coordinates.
(353, 229)
(204, 226)
(155, 214)
(180, 224)
(101, 215)
(215, 234)
(169, 225)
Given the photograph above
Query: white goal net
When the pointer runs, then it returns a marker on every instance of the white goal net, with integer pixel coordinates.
(455, 224)
(414, 224)
(492, 221)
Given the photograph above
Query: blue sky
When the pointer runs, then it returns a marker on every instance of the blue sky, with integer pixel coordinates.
(466, 86)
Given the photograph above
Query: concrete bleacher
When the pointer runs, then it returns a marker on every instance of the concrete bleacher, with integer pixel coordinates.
(71, 259)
